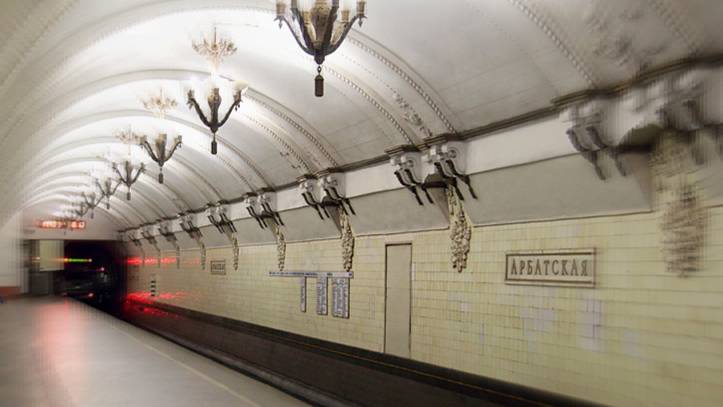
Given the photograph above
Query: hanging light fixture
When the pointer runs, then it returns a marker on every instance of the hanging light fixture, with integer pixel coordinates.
(126, 175)
(101, 178)
(91, 201)
(215, 50)
(159, 105)
(318, 30)
(128, 171)
(107, 190)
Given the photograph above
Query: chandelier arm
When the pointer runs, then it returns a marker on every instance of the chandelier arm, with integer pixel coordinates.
(300, 37)
(193, 103)
(146, 146)
(140, 171)
(309, 48)
(115, 189)
(115, 168)
(235, 105)
(334, 47)
(176, 145)
(326, 41)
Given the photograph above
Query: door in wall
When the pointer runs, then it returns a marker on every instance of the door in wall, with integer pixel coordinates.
(398, 300)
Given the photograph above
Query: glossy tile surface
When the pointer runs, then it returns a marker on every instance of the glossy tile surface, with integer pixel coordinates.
(58, 352)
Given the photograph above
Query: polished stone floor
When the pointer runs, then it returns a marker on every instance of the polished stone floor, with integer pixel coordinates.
(58, 352)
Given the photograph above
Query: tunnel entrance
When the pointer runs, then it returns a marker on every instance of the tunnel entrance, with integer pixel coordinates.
(92, 271)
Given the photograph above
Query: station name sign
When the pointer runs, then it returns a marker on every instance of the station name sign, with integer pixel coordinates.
(218, 267)
(574, 268)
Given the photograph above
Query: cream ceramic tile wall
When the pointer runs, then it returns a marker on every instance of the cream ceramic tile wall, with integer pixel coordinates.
(641, 337)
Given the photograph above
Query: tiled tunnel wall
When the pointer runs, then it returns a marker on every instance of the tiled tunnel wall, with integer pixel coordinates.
(641, 335)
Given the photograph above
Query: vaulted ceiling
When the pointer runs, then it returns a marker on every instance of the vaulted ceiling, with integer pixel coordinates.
(73, 73)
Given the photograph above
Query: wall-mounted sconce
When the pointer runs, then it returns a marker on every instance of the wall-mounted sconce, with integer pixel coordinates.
(259, 207)
(218, 216)
(147, 233)
(187, 223)
(165, 229)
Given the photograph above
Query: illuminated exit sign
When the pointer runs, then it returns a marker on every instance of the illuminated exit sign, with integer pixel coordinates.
(61, 224)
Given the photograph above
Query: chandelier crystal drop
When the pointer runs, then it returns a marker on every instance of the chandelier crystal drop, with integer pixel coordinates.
(215, 50)
(158, 105)
(319, 30)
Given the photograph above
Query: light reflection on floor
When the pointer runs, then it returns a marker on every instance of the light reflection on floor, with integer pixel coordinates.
(59, 352)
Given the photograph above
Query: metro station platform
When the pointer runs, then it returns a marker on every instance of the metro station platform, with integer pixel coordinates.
(60, 352)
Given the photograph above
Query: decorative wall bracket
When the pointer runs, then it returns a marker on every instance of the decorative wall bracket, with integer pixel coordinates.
(586, 134)
(407, 165)
(329, 186)
(218, 216)
(164, 228)
(674, 103)
(258, 206)
(147, 233)
(671, 103)
(133, 238)
(332, 183)
(448, 159)
(187, 223)
(308, 185)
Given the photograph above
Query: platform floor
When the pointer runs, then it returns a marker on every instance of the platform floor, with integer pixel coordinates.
(59, 352)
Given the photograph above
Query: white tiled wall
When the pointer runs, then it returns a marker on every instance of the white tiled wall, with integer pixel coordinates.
(641, 337)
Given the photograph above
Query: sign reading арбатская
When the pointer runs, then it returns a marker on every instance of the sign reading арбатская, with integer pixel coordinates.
(560, 268)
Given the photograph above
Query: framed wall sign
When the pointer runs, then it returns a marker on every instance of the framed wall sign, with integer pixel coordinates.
(573, 268)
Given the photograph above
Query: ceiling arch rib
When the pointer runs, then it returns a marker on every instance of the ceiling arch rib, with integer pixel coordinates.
(50, 165)
(47, 180)
(321, 149)
(142, 212)
(118, 218)
(124, 210)
(143, 180)
(77, 183)
(124, 116)
(385, 112)
(59, 148)
(236, 154)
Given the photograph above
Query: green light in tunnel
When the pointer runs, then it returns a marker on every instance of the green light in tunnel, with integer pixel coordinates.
(76, 260)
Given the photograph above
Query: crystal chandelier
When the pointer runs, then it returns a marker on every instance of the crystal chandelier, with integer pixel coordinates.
(158, 105)
(317, 29)
(128, 172)
(215, 50)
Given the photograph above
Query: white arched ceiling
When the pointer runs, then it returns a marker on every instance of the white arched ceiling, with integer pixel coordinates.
(73, 72)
